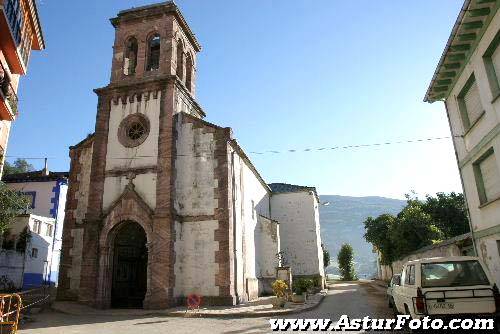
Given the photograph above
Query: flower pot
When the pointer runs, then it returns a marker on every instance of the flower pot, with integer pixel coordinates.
(299, 298)
(279, 302)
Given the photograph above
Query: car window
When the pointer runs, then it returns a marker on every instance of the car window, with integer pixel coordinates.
(408, 276)
(453, 273)
(411, 278)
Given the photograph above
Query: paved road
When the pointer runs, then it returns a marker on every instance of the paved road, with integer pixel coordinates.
(353, 299)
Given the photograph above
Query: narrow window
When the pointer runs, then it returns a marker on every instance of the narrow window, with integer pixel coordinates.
(253, 209)
(36, 226)
(491, 60)
(130, 62)
(469, 103)
(487, 177)
(498, 247)
(189, 71)
(180, 60)
(153, 53)
(34, 253)
(48, 231)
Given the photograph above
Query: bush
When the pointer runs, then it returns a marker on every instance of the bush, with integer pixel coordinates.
(346, 263)
(301, 285)
(279, 288)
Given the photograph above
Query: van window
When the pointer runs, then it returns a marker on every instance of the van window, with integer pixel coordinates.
(454, 273)
(410, 275)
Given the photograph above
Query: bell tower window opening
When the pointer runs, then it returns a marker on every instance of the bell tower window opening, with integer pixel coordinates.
(180, 60)
(153, 53)
(130, 61)
(189, 71)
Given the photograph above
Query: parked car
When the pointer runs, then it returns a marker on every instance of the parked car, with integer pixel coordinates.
(440, 287)
(390, 287)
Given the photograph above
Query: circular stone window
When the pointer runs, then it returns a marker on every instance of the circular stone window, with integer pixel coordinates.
(133, 130)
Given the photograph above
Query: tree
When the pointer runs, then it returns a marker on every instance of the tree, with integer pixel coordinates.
(413, 229)
(11, 204)
(448, 212)
(346, 263)
(326, 256)
(19, 166)
(377, 233)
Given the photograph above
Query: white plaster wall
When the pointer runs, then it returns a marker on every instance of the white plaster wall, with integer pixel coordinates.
(251, 200)
(195, 182)
(267, 246)
(195, 266)
(43, 195)
(144, 155)
(489, 251)
(298, 216)
(485, 134)
(42, 263)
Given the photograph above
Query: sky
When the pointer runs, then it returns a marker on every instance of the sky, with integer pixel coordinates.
(284, 74)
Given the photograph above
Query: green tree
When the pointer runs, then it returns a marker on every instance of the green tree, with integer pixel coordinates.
(346, 263)
(377, 233)
(326, 256)
(11, 204)
(448, 212)
(19, 166)
(412, 229)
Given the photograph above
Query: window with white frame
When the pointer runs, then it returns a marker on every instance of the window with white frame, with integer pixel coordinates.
(48, 230)
(469, 103)
(37, 225)
(487, 177)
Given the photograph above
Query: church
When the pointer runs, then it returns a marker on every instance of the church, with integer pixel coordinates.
(162, 204)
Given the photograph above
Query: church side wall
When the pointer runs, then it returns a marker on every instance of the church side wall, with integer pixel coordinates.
(76, 208)
(267, 246)
(251, 200)
(298, 216)
(140, 160)
(202, 257)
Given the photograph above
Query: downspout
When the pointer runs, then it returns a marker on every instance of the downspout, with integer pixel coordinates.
(235, 257)
(461, 181)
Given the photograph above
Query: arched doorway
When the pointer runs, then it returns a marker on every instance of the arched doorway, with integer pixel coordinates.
(130, 261)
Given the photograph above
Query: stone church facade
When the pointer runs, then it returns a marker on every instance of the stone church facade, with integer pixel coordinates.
(161, 203)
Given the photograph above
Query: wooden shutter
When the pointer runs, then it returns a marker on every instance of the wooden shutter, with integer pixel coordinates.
(491, 177)
(495, 59)
(473, 103)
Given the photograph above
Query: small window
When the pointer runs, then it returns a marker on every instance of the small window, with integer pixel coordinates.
(189, 72)
(487, 177)
(180, 60)
(34, 253)
(37, 226)
(130, 61)
(253, 209)
(153, 53)
(469, 103)
(48, 231)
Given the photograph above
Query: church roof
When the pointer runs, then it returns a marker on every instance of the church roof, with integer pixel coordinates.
(291, 188)
(36, 176)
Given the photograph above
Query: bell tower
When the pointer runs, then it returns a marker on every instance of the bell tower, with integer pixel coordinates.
(153, 77)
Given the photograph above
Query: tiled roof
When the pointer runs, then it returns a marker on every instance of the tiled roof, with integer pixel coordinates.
(36, 176)
(290, 188)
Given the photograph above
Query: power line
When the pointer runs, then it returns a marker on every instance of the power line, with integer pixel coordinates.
(316, 149)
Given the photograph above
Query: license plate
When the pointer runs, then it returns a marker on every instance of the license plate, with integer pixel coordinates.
(441, 306)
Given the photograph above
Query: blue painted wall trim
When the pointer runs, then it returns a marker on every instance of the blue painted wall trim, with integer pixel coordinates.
(32, 280)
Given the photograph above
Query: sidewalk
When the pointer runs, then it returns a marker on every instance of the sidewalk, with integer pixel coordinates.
(260, 308)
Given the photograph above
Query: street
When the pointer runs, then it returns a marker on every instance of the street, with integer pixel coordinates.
(353, 299)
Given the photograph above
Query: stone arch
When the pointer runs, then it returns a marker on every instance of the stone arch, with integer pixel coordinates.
(153, 51)
(189, 72)
(128, 208)
(130, 58)
(180, 59)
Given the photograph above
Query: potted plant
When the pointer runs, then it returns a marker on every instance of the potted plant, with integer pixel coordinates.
(279, 288)
(300, 288)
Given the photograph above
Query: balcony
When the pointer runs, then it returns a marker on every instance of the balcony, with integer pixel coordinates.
(18, 38)
(8, 97)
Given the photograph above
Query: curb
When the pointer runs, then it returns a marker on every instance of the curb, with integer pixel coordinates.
(201, 315)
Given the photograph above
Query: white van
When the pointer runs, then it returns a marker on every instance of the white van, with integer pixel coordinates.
(446, 286)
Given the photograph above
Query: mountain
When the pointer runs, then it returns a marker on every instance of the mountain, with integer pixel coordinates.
(342, 222)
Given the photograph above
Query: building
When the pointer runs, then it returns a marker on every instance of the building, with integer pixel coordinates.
(296, 209)
(20, 32)
(467, 80)
(161, 203)
(47, 192)
(27, 262)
